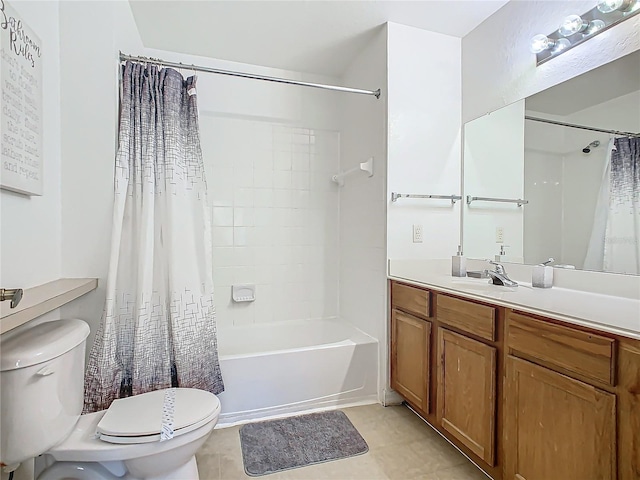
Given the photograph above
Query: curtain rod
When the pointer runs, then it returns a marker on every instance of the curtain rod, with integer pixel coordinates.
(124, 57)
(583, 127)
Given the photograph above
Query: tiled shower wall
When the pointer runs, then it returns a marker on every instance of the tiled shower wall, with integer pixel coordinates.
(275, 217)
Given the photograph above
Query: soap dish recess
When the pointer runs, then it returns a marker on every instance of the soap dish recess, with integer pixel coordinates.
(243, 293)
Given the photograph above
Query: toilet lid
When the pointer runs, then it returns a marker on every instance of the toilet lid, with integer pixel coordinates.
(139, 419)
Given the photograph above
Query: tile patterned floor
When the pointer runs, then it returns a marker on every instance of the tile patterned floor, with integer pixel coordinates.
(401, 447)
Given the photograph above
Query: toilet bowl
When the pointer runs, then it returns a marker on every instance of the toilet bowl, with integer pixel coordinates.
(152, 436)
(133, 457)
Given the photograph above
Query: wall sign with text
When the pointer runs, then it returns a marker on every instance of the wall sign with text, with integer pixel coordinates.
(21, 112)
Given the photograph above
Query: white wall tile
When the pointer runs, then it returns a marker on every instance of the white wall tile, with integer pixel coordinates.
(243, 314)
(222, 236)
(244, 274)
(300, 180)
(263, 216)
(282, 160)
(275, 218)
(223, 276)
(263, 197)
(263, 177)
(243, 197)
(240, 236)
(243, 256)
(243, 217)
(222, 196)
(243, 177)
(282, 179)
(222, 216)
(223, 256)
(300, 161)
(282, 197)
(264, 274)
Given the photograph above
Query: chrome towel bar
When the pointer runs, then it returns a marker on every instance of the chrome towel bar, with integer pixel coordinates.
(395, 196)
(519, 201)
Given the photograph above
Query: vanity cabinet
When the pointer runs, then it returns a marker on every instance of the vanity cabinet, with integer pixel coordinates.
(524, 396)
(467, 392)
(557, 427)
(411, 345)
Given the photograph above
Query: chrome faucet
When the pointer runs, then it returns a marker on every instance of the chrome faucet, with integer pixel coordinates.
(499, 276)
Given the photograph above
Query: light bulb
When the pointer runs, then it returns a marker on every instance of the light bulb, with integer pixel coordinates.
(571, 25)
(540, 43)
(559, 45)
(594, 26)
(633, 7)
(608, 6)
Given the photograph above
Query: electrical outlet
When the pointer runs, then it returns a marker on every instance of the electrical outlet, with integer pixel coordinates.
(499, 235)
(417, 233)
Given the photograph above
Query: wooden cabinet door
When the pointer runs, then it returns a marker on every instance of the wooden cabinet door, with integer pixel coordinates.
(467, 392)
(410, 337)
(556, 428)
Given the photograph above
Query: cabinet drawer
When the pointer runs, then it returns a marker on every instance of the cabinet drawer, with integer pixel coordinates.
(410, 299)
(574, 351)
(470, 317)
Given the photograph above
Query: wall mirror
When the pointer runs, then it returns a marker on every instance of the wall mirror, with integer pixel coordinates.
(537, 188)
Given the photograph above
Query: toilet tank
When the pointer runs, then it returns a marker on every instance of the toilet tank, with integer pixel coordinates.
(41, 387)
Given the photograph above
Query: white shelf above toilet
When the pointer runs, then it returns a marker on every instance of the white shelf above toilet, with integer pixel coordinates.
(44, 298)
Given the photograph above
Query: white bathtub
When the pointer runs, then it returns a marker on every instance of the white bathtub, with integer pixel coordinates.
(281, 368)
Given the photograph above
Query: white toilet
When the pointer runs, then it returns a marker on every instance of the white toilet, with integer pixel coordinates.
(41, 398)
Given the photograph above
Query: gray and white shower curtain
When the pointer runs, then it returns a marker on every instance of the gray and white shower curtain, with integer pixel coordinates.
(615, 238)
(158, 327)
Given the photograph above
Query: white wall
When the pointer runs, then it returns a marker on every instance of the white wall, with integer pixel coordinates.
(363, 282)
(498, 68)
(92, 33)
(30, 237)
(494, 168)
(30, 229)
(424, 108)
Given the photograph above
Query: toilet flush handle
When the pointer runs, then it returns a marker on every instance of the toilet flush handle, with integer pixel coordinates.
(13, 294)
(45, 371)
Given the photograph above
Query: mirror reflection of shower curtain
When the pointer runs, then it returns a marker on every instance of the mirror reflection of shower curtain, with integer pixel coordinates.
(615, 238)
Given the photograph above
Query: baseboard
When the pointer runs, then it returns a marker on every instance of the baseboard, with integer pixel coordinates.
(391, 397)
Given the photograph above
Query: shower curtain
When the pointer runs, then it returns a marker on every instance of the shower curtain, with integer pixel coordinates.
(615, 238)
(158, 327)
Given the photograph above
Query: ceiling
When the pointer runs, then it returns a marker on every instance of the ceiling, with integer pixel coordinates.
(611, 80)
(319, 37)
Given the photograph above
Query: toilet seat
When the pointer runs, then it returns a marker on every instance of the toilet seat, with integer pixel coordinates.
(83, 445)
(140, 419)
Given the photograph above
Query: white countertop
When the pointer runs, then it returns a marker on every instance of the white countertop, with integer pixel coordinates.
(609, 313)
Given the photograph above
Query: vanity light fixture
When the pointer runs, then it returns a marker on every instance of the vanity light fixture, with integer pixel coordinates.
(576, 29)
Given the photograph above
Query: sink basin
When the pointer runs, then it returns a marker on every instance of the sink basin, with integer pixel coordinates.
(480, 285)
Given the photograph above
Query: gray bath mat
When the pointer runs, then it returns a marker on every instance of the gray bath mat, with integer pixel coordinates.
(275, 445)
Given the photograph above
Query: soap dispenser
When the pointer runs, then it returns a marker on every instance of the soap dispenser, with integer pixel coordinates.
(458, 264)
(542, 276)
(501, 256)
